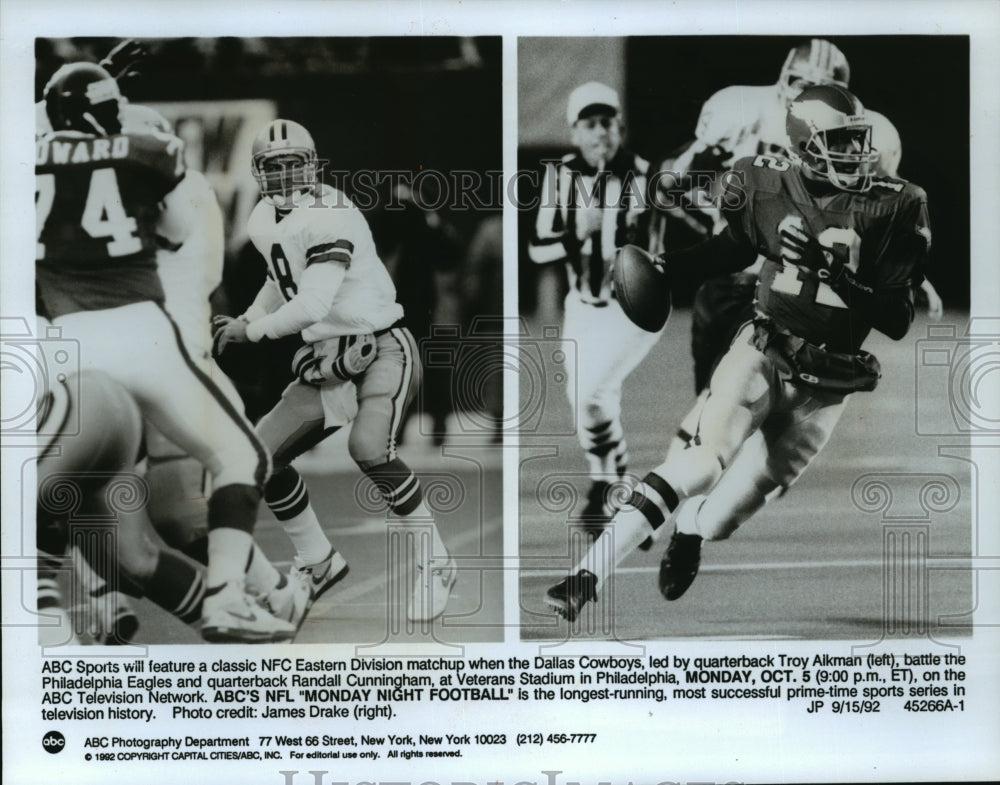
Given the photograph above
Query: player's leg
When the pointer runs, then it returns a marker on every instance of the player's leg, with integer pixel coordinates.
(720, 308)
(95, 463)
(765, 467)
(607, 348)
(142, 349)
(297, 424)
(743, 389)
(384, 391)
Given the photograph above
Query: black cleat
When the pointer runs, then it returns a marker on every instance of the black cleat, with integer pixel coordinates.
(679, 565)
(596, 514)
(568, 596)
(646, 544)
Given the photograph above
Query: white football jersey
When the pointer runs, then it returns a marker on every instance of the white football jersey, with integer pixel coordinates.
(749, 120)
(333, 231)
(192, 272)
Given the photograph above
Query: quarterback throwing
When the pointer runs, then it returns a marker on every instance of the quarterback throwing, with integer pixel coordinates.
(326, 281)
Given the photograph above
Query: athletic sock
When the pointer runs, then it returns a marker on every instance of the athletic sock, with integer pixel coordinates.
(287, 497)
(178, 586)
(647, 509)
(262, 576)
(228, 552)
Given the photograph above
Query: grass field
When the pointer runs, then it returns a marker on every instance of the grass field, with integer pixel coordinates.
(822, 562)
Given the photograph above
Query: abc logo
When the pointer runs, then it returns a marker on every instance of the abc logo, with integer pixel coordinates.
(53, 742)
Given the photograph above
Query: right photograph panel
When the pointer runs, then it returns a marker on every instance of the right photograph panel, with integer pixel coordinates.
(744, 284)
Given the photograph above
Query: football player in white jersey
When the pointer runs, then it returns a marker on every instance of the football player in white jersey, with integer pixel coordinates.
(326, 281)
(584, 238)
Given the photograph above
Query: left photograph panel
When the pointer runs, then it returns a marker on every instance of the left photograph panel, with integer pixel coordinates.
(266, 352)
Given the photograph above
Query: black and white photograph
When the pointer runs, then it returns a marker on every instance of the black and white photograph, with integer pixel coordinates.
(435, 392)
(252, 249)
(738, 260)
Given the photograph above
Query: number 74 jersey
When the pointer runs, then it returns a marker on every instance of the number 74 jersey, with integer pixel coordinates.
(97, 207)
(882, 235)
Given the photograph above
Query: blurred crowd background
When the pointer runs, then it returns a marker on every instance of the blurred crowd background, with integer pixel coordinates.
(374, 105)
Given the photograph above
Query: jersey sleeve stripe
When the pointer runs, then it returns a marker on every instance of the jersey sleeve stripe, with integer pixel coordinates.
(330, 256)
(345, 245)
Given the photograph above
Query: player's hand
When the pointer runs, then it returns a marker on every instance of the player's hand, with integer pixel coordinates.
(935, 306)
(315, 364)
(227, 330)
(800, 248)
(123, 61)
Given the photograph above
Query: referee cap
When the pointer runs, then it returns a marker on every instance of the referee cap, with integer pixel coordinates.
(592, 96)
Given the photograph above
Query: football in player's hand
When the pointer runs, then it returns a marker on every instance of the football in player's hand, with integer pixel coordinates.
(642, 288)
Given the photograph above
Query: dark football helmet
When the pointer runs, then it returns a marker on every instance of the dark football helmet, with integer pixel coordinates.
(829, 133)
(83, 97)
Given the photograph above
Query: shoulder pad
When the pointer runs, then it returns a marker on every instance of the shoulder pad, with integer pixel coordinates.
(138, 118)
(763, 172)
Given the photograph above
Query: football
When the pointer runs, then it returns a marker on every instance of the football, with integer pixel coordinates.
(642, 288)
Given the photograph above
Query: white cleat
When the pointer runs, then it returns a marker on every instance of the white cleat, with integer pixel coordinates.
(432, 589)
(320, 578)
(230, 615)
(288, 602)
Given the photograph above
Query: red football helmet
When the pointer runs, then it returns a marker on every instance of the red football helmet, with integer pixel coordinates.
(284, 162)
(830, 134)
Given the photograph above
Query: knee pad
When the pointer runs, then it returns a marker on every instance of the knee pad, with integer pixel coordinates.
(234, 507)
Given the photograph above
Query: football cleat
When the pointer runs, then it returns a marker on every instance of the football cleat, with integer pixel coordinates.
(321, 577)
(569, 595)
(679, 565)
(289, 600)
(432, 589)
(596, 514)
(230, 615)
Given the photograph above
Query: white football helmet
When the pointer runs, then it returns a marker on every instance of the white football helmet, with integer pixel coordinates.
(284, 162)
(815, 62)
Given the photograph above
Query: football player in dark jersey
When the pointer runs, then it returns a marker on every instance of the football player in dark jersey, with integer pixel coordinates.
(840, 250)
(104, 200)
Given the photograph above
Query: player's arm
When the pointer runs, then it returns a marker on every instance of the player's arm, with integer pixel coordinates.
(550, 241)
(884, 297)
(710, 149)
(179, 213)
(229, 329)
(328, 256)
(881, 294)
(267, 301)
(729, 251)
